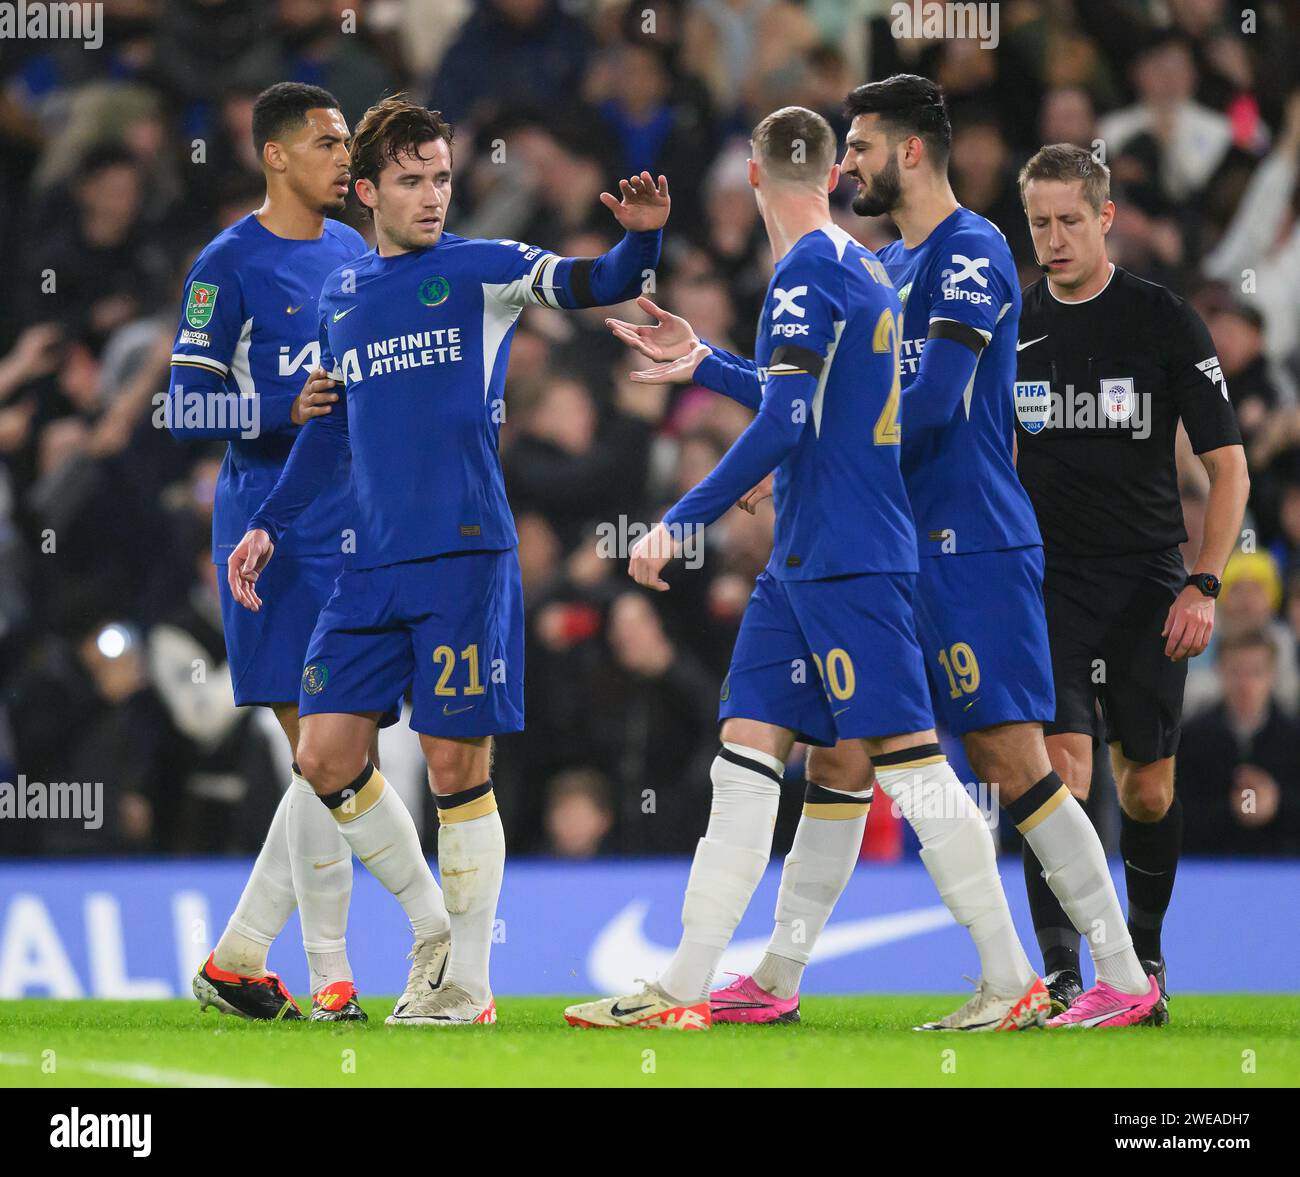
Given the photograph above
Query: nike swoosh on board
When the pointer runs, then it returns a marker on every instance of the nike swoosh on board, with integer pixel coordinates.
(622, 952)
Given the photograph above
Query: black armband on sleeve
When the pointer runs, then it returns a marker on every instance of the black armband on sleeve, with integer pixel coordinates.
(958, 333)
(580, 281)
(802, 359)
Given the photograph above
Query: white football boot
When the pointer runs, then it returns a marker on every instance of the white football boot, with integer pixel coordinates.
(651, 1009)
(987, 1010)
(448, 1005)
(428, 965)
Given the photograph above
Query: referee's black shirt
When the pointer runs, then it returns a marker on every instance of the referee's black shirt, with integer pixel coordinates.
(1117, 371)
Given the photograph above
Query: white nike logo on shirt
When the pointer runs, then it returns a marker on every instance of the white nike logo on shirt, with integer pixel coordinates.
(1029, 343)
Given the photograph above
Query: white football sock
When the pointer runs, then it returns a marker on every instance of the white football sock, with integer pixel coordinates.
(472, 861)
(322, 878)
(378, 827)
(729, 862)
(958, 851)
(817, 869)
(266, 904)
(1074, 864)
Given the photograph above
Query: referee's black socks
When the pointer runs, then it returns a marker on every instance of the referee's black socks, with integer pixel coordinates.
(1150, 850)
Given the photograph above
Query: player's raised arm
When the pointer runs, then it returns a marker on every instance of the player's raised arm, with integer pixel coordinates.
(681, 357)
(539, 278)
(786, 409)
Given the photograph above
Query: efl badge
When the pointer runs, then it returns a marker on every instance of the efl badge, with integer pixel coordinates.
(1033, 404)
(1117, 399)
(203, 298)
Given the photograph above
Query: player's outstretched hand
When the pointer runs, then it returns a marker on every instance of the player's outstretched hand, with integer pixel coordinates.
(245, 565)
(649, 555)
(644, 206)
(680, 371)
(751, 500)
(669, 338)
(1189, 624)
(315, 398)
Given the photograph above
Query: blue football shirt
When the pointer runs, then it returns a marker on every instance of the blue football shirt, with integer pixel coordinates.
(420, 341)
(960, 477)
(826, 364)
(248, 336)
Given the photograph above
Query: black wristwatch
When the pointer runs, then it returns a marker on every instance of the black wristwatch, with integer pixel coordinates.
(1207, 582)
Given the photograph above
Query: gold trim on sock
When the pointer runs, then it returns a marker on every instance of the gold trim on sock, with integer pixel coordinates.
(363, 800)
(1045, 810)
(480, 807)
(922, 763)
(838, 811)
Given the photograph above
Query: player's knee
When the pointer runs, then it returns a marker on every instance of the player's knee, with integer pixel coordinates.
(839, 775)
(323, 769)
(1146, 791)
(993, 765)
(454, 766)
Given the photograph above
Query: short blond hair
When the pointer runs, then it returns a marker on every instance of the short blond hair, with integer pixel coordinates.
(795, 144)
(1066, 162)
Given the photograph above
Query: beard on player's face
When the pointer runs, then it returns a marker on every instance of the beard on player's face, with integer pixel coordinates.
(318, 193)
(881, 193)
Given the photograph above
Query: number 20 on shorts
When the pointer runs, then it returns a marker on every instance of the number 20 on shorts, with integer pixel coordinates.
(837, 674)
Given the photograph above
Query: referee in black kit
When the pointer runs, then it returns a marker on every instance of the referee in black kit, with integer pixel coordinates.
(1108, 364)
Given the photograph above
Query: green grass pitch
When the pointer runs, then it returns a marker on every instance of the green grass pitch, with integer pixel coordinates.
(1220, 1041)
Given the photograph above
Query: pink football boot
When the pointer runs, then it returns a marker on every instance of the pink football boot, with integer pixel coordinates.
(743, 1001)
(1104, 1005)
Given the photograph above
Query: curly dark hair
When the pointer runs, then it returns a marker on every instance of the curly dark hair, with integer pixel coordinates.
(391, 129)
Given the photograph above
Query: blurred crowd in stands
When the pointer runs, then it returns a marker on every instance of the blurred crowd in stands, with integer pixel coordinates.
(119, 163)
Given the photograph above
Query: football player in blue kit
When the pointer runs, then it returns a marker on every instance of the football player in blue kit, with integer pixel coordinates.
(979, 603)
(246, 341)
(827, 650)
(418, 332)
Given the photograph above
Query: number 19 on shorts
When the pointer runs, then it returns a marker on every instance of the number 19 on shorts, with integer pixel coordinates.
(963, 671)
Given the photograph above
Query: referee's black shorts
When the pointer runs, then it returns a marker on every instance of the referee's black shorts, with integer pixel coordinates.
(1104, 617)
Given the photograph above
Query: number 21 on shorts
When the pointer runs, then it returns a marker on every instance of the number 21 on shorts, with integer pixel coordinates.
(445, 657)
